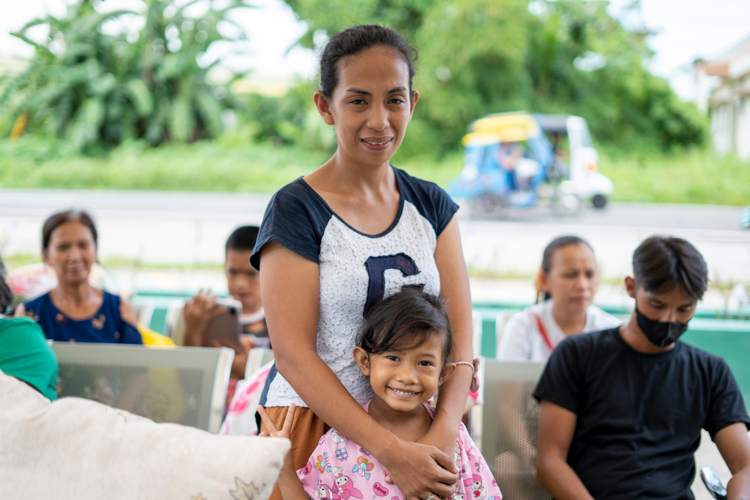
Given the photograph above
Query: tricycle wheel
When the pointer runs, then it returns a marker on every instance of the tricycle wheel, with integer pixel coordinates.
(485, 205)
(599, 201)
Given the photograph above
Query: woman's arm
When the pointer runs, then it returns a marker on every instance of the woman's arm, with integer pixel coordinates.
(454, 287)
(290, 291)
(127, 313)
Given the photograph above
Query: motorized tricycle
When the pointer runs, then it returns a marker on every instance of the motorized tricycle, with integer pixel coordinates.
(510, 162)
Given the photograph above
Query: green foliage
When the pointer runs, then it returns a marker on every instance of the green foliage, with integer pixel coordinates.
(693, 176)
(95, 88)
(552, 56)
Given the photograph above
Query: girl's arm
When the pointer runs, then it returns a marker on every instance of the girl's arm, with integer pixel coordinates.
(290, 292)
(289, 484)
(454, 287)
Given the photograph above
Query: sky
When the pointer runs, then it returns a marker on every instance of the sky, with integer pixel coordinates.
(684, 30)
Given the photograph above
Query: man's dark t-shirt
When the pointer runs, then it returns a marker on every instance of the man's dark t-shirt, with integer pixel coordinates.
(639, 416)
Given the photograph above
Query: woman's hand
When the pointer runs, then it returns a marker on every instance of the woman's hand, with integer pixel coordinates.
(440, 438)
(420, 470)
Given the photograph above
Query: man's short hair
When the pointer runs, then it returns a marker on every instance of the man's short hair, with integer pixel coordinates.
(242, 239)
(662, 263)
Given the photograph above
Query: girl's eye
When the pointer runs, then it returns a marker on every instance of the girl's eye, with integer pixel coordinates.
(392, 358)
(425, 363)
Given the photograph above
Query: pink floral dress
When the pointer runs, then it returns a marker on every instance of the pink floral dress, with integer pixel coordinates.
(340, 470)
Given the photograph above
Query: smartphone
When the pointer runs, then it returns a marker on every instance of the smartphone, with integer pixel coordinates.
(225, 327)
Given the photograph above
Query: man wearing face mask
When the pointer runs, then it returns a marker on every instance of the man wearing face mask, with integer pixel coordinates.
(622, 409)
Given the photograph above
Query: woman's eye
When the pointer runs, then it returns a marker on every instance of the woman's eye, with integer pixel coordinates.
(357, 101)
(397, 101)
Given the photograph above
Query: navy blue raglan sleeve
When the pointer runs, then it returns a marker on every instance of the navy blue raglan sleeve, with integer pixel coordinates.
(431, 200)
(726, 405)
(561, 382)
(295, 219)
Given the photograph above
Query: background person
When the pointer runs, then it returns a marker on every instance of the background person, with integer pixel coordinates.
(24, 352)
(567, 283)
(75, 310)
(335, 242)
(622, 409)
(243, 284)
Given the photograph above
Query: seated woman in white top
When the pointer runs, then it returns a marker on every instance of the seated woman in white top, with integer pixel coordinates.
(567, 284)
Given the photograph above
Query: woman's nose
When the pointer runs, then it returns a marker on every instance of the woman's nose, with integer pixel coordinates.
(378, 119)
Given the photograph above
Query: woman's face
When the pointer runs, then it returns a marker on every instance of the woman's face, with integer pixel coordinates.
(572, 278)
(371, 105)
(71, 252)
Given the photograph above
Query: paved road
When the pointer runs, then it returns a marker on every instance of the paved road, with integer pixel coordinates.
(172, 227)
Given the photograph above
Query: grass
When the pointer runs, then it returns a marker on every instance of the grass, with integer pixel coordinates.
(685, 177)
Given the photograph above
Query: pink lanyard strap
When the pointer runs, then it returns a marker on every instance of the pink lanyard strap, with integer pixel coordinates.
(543, 331)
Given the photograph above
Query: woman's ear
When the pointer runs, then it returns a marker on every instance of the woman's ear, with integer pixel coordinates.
(448, 370)
(324, 107)
(363, 360)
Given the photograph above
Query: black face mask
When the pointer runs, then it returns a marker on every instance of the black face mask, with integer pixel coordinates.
(659, 333)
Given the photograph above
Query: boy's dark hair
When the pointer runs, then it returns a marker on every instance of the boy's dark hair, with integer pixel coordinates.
(662, 263)
(6, 296)
(554, 246)
(242, 239)
(58, 219)
(357, 39)
(406, 320)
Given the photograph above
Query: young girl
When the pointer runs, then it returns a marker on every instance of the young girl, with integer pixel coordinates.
(404, 350)
(335, 242)
(567, 283)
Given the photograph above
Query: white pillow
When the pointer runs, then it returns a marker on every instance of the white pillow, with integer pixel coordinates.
(76, 449)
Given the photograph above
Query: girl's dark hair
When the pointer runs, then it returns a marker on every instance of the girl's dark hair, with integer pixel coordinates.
(406, 320)
(357, 39)
(56, 220)
(662, 263)
(6, 296)
(555, 245)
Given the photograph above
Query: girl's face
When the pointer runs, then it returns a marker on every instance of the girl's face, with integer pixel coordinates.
(404, 379)
(572, 278)
(371, 105)
(71, 252)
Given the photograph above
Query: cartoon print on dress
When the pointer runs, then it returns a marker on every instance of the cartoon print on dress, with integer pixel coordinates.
(342, 454)
(478, 490)
(364, 452)
(376, 268)
(346, 489)
(379, 490)
(336, 438)
(324, 492)
(363, 467)
(308, 468)
(323, 463)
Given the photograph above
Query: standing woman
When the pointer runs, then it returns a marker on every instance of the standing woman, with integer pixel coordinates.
(352, 232)
(567, 283)
(74, 310)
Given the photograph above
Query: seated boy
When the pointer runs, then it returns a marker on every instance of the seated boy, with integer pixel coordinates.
(243, 283)
(622, 409)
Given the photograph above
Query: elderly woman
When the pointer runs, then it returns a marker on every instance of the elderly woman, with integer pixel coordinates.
(75, 310)
(24, 353)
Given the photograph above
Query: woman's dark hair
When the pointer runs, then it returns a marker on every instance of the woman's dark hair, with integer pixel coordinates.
(6, 296)
(357, 39)
(406, 320)
(56, 220)
(662, 263)
(549, 253)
